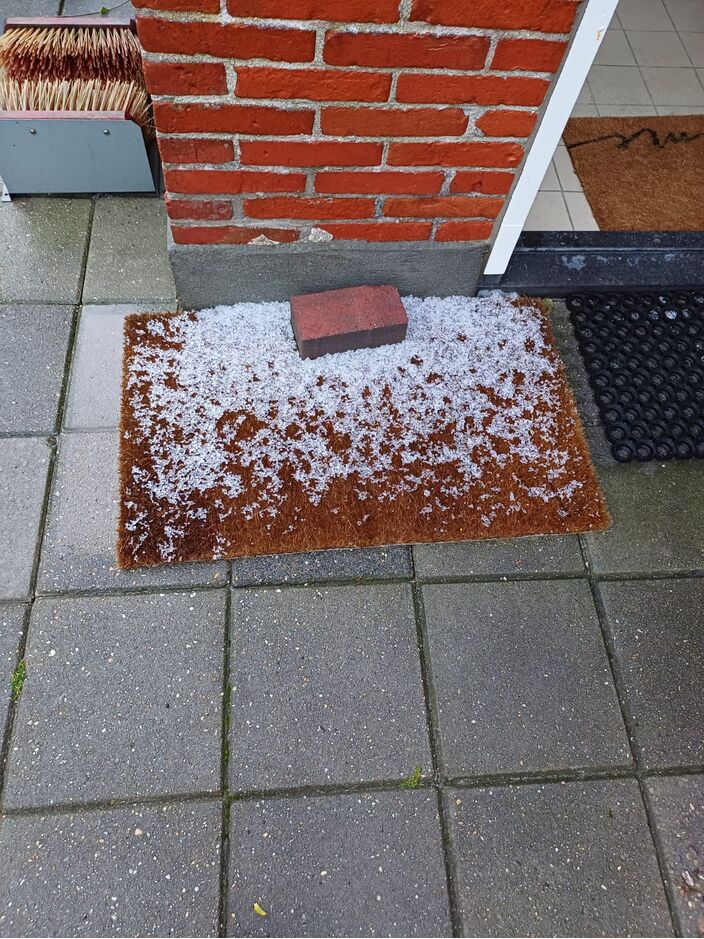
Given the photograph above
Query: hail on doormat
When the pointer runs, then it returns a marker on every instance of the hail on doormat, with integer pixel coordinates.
(233, 445)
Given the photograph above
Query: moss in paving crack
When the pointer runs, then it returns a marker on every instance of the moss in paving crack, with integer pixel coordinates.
(18, 678)
(226, 704)
(413, 781)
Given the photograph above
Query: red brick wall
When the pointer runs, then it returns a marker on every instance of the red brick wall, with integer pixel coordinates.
(375, 120)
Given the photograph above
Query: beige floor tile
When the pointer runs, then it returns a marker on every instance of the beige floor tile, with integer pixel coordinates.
(644, 14)
(626, 110)
(585, 95)
(618, 84)
(585, 110)
(687, 15)
(658, 48)
(580, 212)
(550, 181)
(569, 181)
(614, 49)
(677, 86)
(548, 213)
(671, 109)
(694, 44)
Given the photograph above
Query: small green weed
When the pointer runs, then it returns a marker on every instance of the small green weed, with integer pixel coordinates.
(413, 781)
(18, 678)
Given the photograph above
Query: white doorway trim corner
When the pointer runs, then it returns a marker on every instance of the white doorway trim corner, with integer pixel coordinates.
(580, 56)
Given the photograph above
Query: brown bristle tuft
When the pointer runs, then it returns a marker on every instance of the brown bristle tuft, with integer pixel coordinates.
(78, 95)
(32, 53)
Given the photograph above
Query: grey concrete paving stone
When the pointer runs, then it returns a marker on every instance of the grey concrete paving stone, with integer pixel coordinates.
(33, 346)
(28, 8)
(658, 519)
(122, 699)
(118, 9)
(599, 446)
(568, 348)
(136, 870)
(127, 258)
(658, 642)
(570, 859)
(541, 554)
(326, 687)
(678, 807)
(365, 864)
(42, 243)
(11, 625)
(521, 679)
(95, 389)
(322, 566)
(24, 465)
(79, 548)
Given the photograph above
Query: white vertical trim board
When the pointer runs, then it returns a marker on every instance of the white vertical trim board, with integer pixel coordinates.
(585, 45)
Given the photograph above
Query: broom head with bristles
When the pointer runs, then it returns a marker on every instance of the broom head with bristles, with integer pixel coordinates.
(31, 50)
(78, 95)
(56, 64)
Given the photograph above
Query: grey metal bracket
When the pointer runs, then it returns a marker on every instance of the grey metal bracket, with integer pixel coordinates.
(73, 151)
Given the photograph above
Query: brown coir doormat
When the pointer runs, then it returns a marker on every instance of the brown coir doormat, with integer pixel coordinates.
(640, 173)
(233, 445)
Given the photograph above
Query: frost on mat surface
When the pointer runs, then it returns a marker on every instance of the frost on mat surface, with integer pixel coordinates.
(228, 409)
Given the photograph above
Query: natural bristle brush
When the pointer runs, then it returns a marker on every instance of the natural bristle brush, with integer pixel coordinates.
(65, 48)
(73, 64)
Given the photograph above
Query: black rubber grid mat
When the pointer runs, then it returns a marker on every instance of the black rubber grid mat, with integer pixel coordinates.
(644, 355)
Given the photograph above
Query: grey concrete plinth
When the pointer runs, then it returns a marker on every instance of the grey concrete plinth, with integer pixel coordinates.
(678, 807)
(136, 870)
(42, 244)
(80, 543)
(658, 642)
(207, 275)
(33, 346)
(122, 699)
(521, 679)
(367, 864)
(322, 566)
(127, 259)
(559, 859)
(326, 687)
(24, 465)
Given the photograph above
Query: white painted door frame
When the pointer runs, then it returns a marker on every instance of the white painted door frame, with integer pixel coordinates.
(585, 45)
